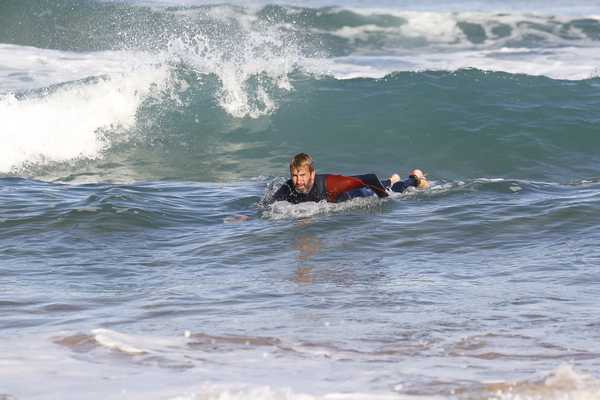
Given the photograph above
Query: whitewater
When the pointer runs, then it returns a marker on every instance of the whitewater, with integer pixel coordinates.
(141, 140)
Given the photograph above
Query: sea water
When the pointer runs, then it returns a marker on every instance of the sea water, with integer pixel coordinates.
(139, 258)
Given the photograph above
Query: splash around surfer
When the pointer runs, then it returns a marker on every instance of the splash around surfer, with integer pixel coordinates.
(306, 185)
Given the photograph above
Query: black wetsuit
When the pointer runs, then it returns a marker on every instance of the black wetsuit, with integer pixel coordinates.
(401, 186)
(287, 192)
(318, 192)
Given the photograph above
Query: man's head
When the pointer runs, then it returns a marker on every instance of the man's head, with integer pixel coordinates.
(302, 172)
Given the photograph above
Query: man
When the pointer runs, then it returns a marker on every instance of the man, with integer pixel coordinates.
(306, 185)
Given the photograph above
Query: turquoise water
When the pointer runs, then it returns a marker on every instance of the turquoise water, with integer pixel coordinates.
(138, 258)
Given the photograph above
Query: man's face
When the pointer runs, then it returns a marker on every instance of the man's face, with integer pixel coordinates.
(303, 179)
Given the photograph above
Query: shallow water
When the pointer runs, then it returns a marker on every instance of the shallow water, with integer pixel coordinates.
(427, 293)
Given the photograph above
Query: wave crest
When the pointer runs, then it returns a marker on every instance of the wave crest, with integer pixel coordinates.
(251, 65)
(72, 120)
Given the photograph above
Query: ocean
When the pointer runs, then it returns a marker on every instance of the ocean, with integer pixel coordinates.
(140, 258)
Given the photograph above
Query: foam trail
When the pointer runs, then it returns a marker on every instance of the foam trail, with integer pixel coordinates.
(67, 123)
(285, 210)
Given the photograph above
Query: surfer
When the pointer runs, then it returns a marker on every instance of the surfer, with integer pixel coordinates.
(306, 185)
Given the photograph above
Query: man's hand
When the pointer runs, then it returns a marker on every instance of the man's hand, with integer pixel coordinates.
(422, 182)
(394, 178)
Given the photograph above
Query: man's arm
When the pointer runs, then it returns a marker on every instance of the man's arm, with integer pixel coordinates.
(416, 179)
(401, 186)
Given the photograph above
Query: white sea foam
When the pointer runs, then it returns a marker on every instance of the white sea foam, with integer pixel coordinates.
(561, 50)
(223, 392)
(67, 122)
(576, 8)
(134, 344)
(27, 68)
(555, 7)
(432, 25)
(285, 210)
(569, 63)
(435, 27)
(249, 69)
(564, 383)
(117, 341)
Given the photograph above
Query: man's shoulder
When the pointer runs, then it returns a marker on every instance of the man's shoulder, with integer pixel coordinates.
(287, 186)
(284, 191)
